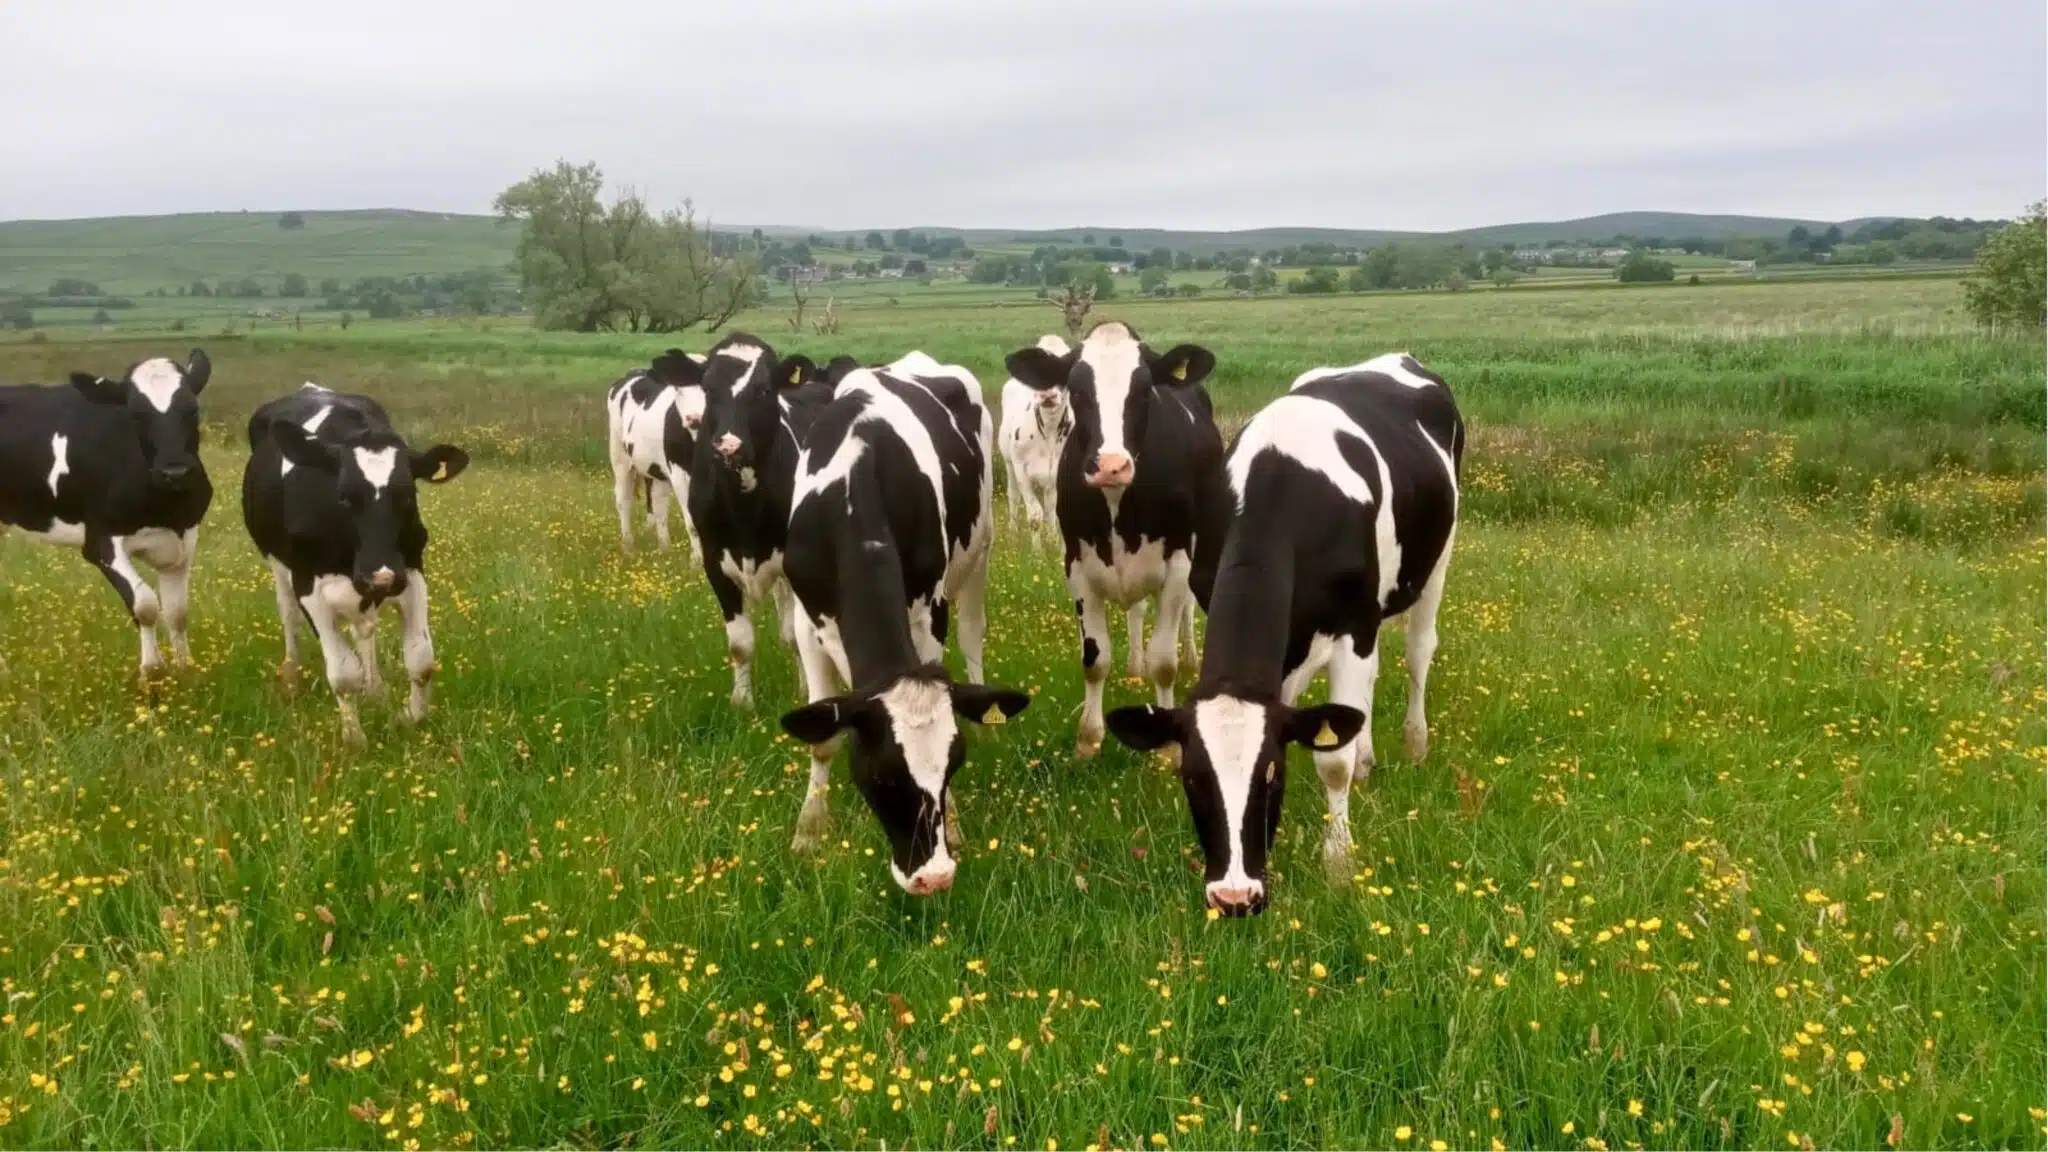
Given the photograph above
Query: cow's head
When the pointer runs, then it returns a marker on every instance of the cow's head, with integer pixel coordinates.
(1233, 766)
(1110, 379)
(1052, 402)
(905, 747)
(376, 482)
(162, 400)
(684, 372)
(743, 382)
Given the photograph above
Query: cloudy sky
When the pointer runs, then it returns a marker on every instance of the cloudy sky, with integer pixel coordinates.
(1411, 114)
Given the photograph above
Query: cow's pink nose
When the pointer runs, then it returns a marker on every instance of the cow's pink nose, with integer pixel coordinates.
(728, 444)
(382, 577)
(1113, 469)
(692, 421)
(931, 880)
(1226, 899)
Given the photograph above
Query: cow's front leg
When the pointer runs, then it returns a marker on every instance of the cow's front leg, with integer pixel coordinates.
(1176, 599)
(109, 554)
(288, 614)
(418, 643)
(974, 622)
(785, 613)
(364, 629)
(819, 673)
(657, 511)
(327, 602)
(1094, 670)
(739, 631)
(174, 588)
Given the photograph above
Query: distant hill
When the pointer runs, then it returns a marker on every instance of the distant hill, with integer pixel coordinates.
(132, 254)
(135, 253)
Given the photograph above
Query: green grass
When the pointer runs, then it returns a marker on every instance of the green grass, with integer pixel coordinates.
(1734, 816)
(132, 254)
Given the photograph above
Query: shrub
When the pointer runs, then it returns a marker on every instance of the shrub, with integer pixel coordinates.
(2007, 289)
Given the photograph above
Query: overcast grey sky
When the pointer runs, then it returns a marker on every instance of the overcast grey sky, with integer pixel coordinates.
(1412, 114)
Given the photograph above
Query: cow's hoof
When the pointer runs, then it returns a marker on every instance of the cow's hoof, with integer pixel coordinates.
(352, 735)
(1337, 860)
(1416, 738)
(1085, 749)
(807, 842)
(373, 689)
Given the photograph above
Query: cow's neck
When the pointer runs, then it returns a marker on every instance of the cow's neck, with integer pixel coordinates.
(874, 625)
(1250, 611)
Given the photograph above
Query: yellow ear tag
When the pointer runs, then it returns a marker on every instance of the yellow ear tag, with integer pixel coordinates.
(440, 469)
(1272, 766)
(1180, 370)
(1326, 738)
(994, 715)
(796, 375)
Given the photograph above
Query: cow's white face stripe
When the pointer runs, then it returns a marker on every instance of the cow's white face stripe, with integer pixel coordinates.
(1304, 430)
(158, 380)
(748, 355)
(921, 721)
(1113, 355)
(60, 460)
(376, 465)
(1233, 731)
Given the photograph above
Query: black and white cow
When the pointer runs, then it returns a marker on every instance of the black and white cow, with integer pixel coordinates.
(1346, 505)
(1031, 437)
(890, 524)
(112, 467)
(1142, 506)
(330, 498)
(756, 409)
(651, 422)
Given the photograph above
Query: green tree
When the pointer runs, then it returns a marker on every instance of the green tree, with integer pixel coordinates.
(2007, 288)
(72, 286)
(16, 314)
(1152, 278)
(1641, 266)
(1264, 279)
(587, 267)
(1881, 252)
(1316, 280)
(877, 241)
(291, 221)
(900, 239)
(1189, 289)
(294, 286)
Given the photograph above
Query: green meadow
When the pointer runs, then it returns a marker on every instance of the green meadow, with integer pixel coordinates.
(1731, 833)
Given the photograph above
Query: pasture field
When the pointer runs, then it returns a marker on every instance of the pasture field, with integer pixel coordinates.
(1731, 834)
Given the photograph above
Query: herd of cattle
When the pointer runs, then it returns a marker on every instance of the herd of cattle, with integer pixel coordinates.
(859, 498)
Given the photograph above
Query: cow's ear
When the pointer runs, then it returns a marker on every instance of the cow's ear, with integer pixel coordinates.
(1037, 368)
(1146, 726)
(838, 368)
(675, 367)
(1186, 364)
(439, 464)
(795, 371)
(820, 720)
(302, 449)
(985, 705)
(198, 370)
(99, 389)
(1323, 728)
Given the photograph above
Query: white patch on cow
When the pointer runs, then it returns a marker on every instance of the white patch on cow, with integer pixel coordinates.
(158, 380)
(60, 459)
(1390, 365)
(1113, 355)
(313, 386)
(889, 409)
(376, 465)
(311, 425)
(690, 400)
(921, 722)
(1233, 731)
(1305, 430)
(1130, 576)
(747, 354)
(834, 471)
(1450, 469)
(1053, 344)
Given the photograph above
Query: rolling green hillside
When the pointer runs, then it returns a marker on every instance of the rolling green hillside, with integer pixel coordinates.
(132, 254)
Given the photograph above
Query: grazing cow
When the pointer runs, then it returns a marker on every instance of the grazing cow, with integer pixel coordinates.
(756, 409)
(1346, 495)
(652, 425)
(1142, 503)
(330, 498)
(112, 467)
(1033, 433)
(890, 524)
